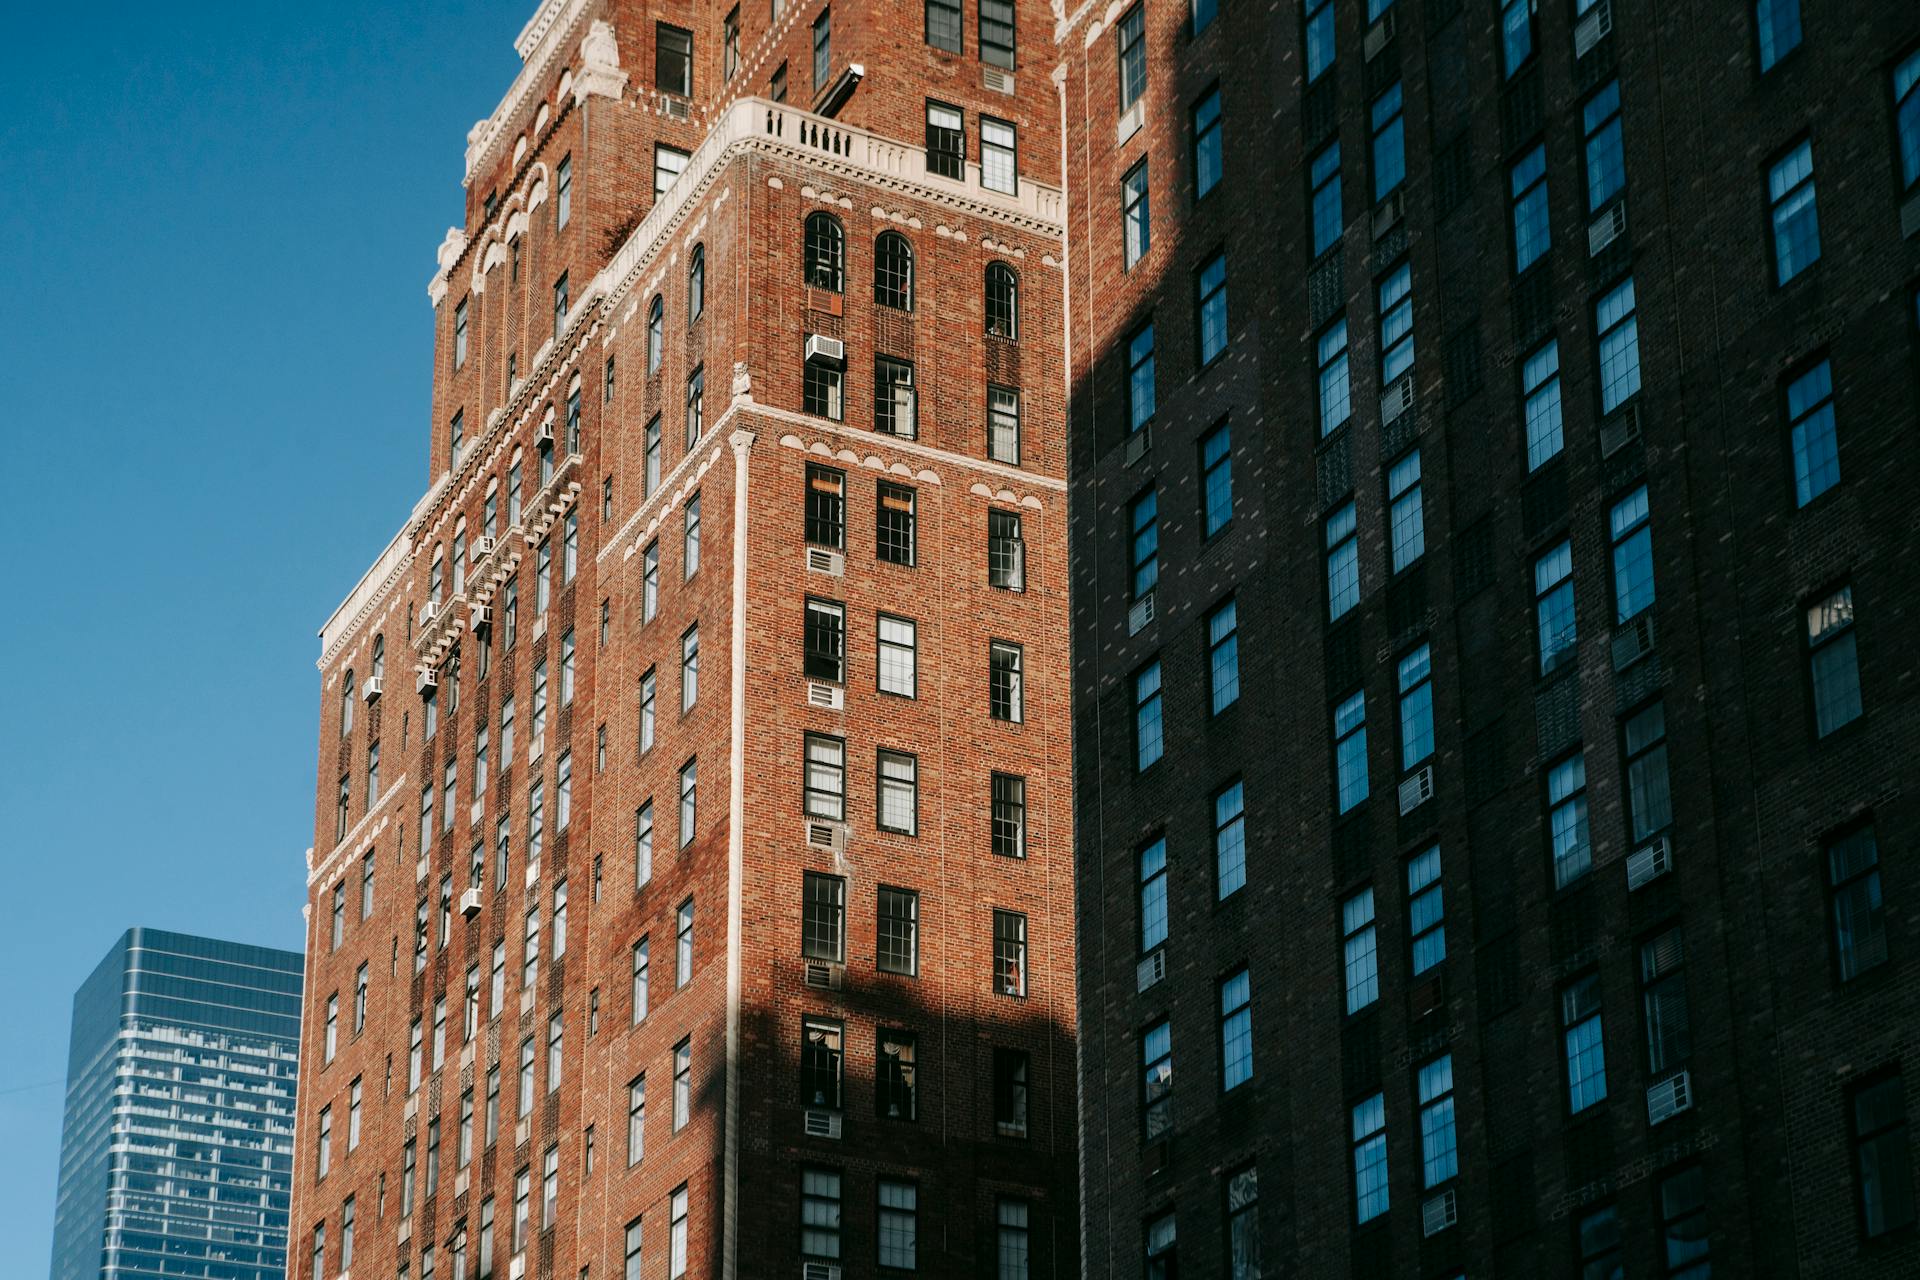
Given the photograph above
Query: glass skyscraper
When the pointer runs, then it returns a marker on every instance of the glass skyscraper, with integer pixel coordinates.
(177, 1151)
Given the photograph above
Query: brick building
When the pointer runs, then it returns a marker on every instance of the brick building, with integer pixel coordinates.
(1493, 599)
(692, 884)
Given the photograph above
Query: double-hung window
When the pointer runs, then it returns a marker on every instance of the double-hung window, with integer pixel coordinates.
(1216, 480)
(1663, 1002)
(1009, 816)
(943, 24)
(895, 661)
(823, 934)
(1148, 738)
(1003, 425)
(1210, 307)
(1415, 679)
(1009, 953)
(894, 523)
(1140, 383)
(1132, 44)
(1540, 388)
(1632, 537)
(899, 792)
(999, 152)
(1324, 177)
(1230, 838)
(1006, 697)
(1156, 1096)
(1320, 37)
(1554, 619)
(1439, 1147)
(1343, 561)
(1006, 550)
(1153, 894)
(822, 49)
(897, 931)
(1389, 143)
(672, 60)
(1777, 28)
(825, 640)
(1144, 520)
(1816, 443)
(1516, 34)
(1406, 513)
(1208, 152)
(893, 397)
(826, 515)
(1136, 216)
(1567, 819)
(1369, 1139)
(1882, 1155)
(1833, 662)
(1330, 357)
(1223, 656)
(1605, 158)
(1350, 750)
(1236, 1030)
(826, 776)
(1426, 910)
(1796, 218)
(1582, 1043)
(1396, 323)
(1527, 181)
(1906, 119)
(946, 135)
(1858, 914)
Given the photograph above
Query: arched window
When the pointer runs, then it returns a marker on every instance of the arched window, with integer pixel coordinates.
(436, 576)
(697, 283)
(379, 657)
(826, 252)
(1003, 301)
(346, 703)
(893, 271)
(656, 333)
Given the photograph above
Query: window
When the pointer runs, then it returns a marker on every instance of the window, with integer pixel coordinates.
(826, 516)
(696, 408)
(997, 144)
(683, 944)
(1567, 819)
(522, 1201)
(777, 85)
(1140, 387)
(1439, 1149)
(1415, 682)
(324, 1156)
(460, 334)
(1330, 353)
(1009, 817)
(1006, 550)
(656, 327)
(559, 304)
(1389, 143)
(730, 44)
(1163, 1261)
(1405, 512)
(1648, 795)
(1906, 112)
(1816, 444)
(342, 810)
(319, 1250)
(1223, 655)
(1003, 425)
(1606, 162)
(821, 1060)
(1516, 34)
(632, 1248)
(690, 539)
(899, 1200)
(826, 776)
(897, 931)
(1156, 1097)
(1327, 217)
(1527, 182)
(823, 915)
(360, 1000)
(1132, 42)
(1010, 1093)
(826, 249)
(1009, 953)
(543, 577)
(1554, 620)
(1153, 894)
(1236, 1030)
(1145, 520)
(408, 1164)
(1796, 220)
(433, 1157)
(895, 665)
(946, 134)
(1777, 24)
(1243, 1225)
(893, 271)
(530, 968)
(1210, 292)
(332, 1043)
(899, 792)
(696, 293)
(1882, 1155)
(366, 886)
(1833, 661)
(641, 967)
(1003, 298)
(825, 654)
(1540, 387)
(1663, 1002)
(1208, 158)
(649, 688)
(1859, 916)
(1597, 1236)
(1149, 743)
(820, 1213)
(672, 60)
(1426, 910)
(1360, 952)
(1216, 480)
(894, 1092)
(689, 667)
(823, 391)
(1396, 323)
(893, 521)
(1136, 216)
(1350, 750)
(1632, 555)
(822, 48)
(1370, 1191)
(1005, 696)
(682, 1084)
(556, 1037)
(1683, 1224)
(996, 33)
(943, 24)
(893, 397)
(1586, 1055)
(1230, 838)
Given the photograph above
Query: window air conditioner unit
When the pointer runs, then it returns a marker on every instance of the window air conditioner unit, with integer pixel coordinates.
(1378, 36)
(1649, 862)
(1387, 214)
(1130, 121)
(824, 974)
(470, 902)
(822, 1123)
(1140, 614)
(1593, 28)
(478, 615)
(821, 560)
(543, 434)
(1669, 1098)
(1619, 429)
(1439, 1213)
(827, 696)
(425, 678)
(1633, 641)
(1153, 968)
(674, 108)
(1416, 790)
(482, 548)
(517, 1269)
(994, 80)
(1138, 443)
(1396, 399)
(819, 1271)
(825, 835)
(1608, 226)
(372, 688)
(825, 350)
(428, 612)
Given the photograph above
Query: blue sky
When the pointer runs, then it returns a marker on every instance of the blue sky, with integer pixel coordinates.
(216, 227)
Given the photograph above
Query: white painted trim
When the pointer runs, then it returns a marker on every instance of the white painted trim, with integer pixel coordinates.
(742, 442)
(358, 839)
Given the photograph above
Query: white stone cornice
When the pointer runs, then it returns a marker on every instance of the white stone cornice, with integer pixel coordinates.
(540, 44)
(366, 596)
(600, 72)
(359, 839)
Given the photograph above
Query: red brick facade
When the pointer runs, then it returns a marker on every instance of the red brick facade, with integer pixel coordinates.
(975, 1161)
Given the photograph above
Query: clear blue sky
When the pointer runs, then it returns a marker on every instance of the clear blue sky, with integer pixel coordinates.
(217, 222)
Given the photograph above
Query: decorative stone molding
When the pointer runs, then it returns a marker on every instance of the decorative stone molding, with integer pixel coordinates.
(1006, 495)
(367, 594)
(871, 462)
(452, 245)
(600, 71)
(742, 381)
(540, 44)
